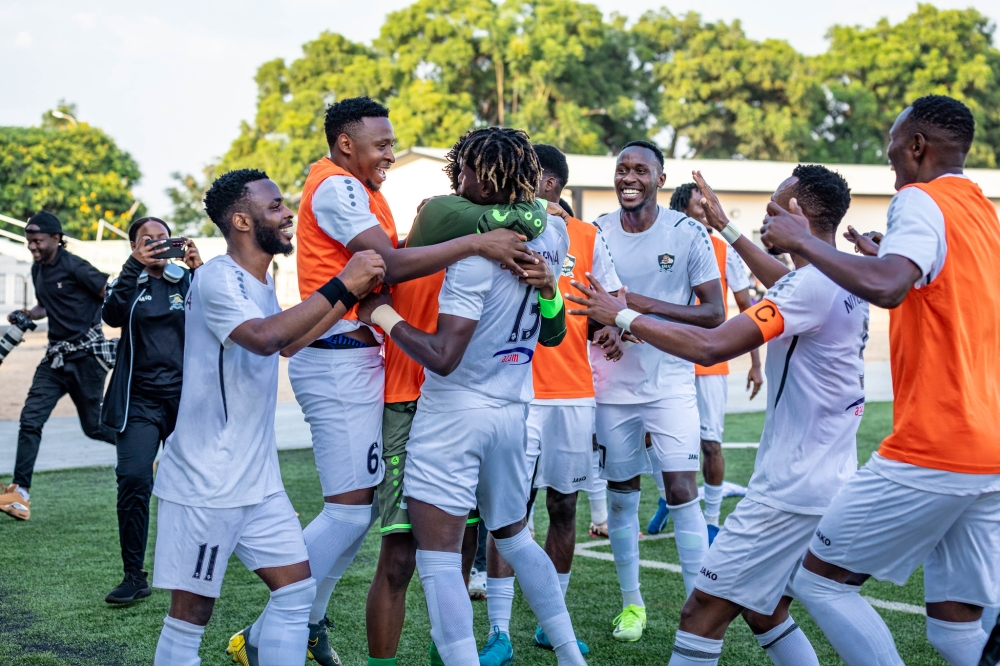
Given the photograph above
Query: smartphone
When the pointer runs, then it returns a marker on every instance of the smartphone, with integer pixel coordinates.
(175, 247)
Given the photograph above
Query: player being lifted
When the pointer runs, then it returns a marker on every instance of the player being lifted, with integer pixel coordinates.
(218, 483)
(931, 494)
(665, 260)
(338, 379)
(560, 418)
(439, 220)
(815, 368)
(467, 439)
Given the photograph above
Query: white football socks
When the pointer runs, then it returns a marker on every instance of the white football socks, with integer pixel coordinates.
(960, 643)
(448, 605)
(852, 626)
(326, 586)
(23, 492)
(598, 505)
(500, 603)
(623, 528)
(786, 645)
(564, 581)
(335, 532)
(691, 537)
(537, 576)
(691, 650)
(713, 504)
(178, 644)
(284, 634)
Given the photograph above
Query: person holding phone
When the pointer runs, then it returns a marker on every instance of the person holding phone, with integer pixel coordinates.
(147, 302)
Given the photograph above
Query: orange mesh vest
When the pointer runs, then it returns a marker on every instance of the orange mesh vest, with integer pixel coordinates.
(720, 247)
(317, 256)
(564, 371)
(416, 301)
(945, 345)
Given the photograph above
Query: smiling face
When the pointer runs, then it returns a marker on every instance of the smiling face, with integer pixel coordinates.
(371, 155)
(271, 218)
(43, 247)
(637, 178)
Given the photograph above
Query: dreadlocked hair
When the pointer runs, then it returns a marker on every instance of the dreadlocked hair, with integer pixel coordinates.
(681, 197)
(501, 156)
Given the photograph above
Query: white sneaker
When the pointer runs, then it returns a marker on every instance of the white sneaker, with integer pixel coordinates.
(477, 584)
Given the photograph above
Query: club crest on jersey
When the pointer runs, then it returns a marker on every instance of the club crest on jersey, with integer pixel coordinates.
(666, 262)
(567, 267)
(176, 302)
(515, 356)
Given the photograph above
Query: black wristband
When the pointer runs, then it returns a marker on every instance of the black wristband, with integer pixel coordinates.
(335, 292)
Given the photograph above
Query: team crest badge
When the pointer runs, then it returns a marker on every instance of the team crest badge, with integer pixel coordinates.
(666, 262)
(567, 267)
(176, 302)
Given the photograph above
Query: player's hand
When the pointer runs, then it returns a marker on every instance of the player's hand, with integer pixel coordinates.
(363, 272)
(540, 275)
(368, 304)
(556, 209)
(866, 244)
(598, 304)
(714, 213)
(609, 339)
(507, 248)
(785, 229)
(191, 255)
(756, 379)
(147, 254)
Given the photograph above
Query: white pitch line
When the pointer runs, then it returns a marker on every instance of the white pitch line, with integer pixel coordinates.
(740, 445)
(584, 550)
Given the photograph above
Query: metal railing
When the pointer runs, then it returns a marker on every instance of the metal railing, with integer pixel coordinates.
(16, 223)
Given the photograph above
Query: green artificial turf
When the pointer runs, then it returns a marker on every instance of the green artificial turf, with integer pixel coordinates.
(56, 569)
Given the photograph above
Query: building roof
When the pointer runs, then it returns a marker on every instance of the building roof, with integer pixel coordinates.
(734, 176)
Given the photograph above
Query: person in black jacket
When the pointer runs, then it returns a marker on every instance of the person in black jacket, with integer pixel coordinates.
(147, 302)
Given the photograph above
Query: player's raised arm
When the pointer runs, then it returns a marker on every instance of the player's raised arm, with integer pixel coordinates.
(705, 346)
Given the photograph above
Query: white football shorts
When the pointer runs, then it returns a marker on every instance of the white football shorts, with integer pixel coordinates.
(755, 555)
(712, 392)
(193, 543)
(456, 460)
(561, 446)
(672, 423)
(880, 527)
(341, 392)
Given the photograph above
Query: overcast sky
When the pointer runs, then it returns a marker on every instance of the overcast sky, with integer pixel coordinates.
(172, 81)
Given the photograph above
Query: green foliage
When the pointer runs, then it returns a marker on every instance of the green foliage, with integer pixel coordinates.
(70, 169)
(188, 196)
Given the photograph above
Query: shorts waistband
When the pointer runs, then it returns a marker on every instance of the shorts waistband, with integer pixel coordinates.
(320, 353)
(339, 341)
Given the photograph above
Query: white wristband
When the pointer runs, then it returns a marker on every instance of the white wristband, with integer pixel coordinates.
(730, 234)
(624, 319)
(385, 318)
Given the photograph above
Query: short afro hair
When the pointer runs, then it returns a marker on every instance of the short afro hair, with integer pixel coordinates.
(945, 114)
(824, 193)
(681, 197)
(551, 159)
(344, 116)
(650, 146)
(227, 193)
(133, 229)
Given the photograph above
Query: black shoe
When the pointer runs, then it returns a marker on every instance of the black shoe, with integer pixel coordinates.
(133, 588)
(319, 644)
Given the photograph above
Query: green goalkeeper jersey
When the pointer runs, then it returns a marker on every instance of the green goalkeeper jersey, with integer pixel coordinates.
(444, 218)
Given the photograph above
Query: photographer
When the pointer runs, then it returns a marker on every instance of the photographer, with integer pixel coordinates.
(70, 292)
(147, 302)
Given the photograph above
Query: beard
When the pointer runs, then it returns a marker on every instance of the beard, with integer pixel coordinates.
(637, 207)
(270, 240)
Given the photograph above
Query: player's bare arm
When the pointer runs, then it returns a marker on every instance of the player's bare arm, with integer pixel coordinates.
(272, 334)
(767, 269)
(708, 313)
(882, 281)
(755, 377)
(705, 346)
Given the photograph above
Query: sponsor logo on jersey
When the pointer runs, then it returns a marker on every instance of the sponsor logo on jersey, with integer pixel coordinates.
(568, 263)
(666, 262)
(176, 302)
(515, 356)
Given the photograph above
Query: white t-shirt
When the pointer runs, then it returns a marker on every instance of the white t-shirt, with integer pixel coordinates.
(222, 453)
(815, 394)
(343, 211)
(915, 230)
(664, 262)
(496, 367)
(737, 276)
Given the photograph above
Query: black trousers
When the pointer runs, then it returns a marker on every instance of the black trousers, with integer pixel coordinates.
(150, 421)
(83, 379)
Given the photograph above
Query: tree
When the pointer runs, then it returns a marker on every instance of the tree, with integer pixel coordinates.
(188, 198)
(874, 73)
(74, 171)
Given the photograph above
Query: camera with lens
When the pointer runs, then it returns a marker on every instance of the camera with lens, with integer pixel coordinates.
(20, 322)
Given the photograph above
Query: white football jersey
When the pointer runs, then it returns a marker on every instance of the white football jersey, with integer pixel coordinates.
(222, 453)
(815, 394)
(496, 367)
(664, 262)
